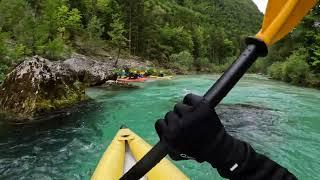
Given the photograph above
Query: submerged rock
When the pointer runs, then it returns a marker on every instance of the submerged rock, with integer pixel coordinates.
(38, 86)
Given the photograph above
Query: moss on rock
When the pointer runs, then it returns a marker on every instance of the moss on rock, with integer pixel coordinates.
(39, 86)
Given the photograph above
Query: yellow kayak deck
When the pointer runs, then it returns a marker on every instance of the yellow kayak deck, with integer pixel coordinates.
(125, 149)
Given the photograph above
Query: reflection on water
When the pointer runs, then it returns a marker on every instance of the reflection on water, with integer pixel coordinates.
(280, 121)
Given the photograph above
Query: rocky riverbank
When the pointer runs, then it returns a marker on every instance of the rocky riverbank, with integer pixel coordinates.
(38, 86)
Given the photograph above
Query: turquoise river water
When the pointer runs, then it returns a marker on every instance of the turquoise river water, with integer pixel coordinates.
(279, 120)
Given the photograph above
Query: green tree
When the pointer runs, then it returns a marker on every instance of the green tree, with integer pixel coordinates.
(16, 19)
(295, 69)
(3, 44)
(56, 49)
(177, 38)
(11, 13)
(219, 47)
(68, 21)
(118, 39)
(182, 61)
(155, 29)
(95, 28)
(133, 12)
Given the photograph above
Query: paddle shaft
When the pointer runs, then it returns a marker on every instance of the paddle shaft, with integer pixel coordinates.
(214, 95)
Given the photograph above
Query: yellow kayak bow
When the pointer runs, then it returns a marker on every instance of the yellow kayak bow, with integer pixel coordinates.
(123, 152)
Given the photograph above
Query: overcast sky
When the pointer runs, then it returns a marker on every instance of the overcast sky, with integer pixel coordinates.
(262, 4)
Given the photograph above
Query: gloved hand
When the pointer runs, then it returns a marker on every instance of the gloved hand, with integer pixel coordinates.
(193, 130)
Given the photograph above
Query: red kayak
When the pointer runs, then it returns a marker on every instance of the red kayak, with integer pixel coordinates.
(132, 80)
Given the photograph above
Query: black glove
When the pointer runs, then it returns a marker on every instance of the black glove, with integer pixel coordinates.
(193, 130)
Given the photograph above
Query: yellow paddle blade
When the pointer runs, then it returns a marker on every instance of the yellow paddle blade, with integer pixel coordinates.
(281, 17)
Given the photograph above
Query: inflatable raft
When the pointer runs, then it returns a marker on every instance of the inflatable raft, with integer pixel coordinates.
(123, 152)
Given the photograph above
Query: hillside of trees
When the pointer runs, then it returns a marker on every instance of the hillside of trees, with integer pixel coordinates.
(202, 35)
(296, 59)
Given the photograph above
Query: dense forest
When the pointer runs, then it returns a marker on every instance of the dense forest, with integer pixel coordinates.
(202, 35)
(184, 35)
(296, 59)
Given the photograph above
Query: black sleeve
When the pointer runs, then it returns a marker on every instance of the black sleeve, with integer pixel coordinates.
(242, 162)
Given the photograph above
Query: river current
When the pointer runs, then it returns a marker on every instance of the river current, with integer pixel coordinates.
(279, 120)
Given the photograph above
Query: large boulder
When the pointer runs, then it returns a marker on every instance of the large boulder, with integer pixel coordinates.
(97, 70)
(39, 86)
(91, 71)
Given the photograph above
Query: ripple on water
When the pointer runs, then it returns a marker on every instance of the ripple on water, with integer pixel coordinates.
(279, 120)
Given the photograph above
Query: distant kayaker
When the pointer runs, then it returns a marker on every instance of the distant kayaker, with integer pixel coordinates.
(161, 74)
(127, 71)
(193, 130)
(123, 73)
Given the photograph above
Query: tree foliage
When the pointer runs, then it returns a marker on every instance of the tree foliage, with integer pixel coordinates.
(95, 28)
(117, 35)
(182, 61)
(210, 31)
(117, 32)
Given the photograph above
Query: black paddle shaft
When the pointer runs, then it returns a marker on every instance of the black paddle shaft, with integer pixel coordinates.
(255, 48)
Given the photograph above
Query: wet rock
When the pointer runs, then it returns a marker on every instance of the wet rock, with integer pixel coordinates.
(39, 86)
(116, 85)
